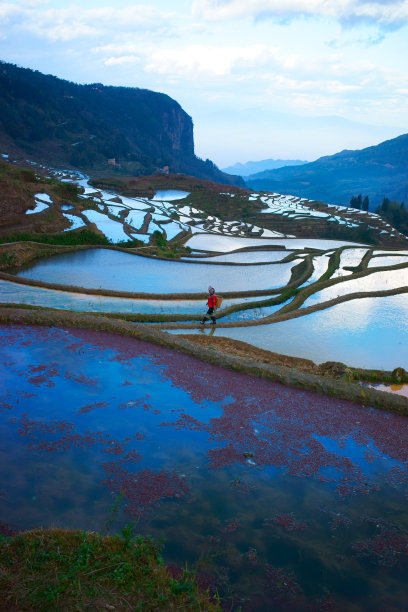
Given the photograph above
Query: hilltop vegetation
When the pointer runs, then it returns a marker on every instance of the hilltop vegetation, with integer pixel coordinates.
(83, 126)
(395, 213)
(376, 171)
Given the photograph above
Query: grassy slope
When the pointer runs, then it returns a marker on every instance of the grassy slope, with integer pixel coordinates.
(56, 569)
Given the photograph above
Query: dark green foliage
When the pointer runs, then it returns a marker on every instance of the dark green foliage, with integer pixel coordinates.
(68, 191)
(335, 178)
(356, 201)
(85, 125)
(395, 213)
(158, 239)
(85, 236)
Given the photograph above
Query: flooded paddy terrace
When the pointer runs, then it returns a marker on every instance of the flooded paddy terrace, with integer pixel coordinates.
(280, 498)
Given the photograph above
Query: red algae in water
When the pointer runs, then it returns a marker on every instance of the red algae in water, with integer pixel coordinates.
(230, 526)
(387, 545)
(89, 407)
(281, 583)
(286, 521)
(145, 488)
(304, 451)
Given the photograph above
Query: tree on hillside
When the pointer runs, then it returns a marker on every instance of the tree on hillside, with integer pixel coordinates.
(395, 213)
(385, 204)
(355, 202)
(366, 204)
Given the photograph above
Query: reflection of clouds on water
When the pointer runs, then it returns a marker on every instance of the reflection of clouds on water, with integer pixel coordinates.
(377, 281)
(98, 267)
(351, 316)
(366, 333)
(230, 243)
(391, 260)
(26, 294)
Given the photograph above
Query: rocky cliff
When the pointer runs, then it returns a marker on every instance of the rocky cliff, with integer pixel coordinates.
(97, 128)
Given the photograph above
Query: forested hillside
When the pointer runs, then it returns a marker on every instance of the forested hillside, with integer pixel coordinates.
(377, 172)
(83, 126)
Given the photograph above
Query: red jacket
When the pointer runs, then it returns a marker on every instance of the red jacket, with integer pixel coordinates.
(212, 301)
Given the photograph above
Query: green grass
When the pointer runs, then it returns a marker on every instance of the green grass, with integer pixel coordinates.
(58, 569)
(85, 236)
(334, 263)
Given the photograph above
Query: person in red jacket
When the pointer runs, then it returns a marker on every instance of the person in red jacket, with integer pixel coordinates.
(212, 305)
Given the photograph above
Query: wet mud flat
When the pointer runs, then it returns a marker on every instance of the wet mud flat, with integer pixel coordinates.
(281, 498)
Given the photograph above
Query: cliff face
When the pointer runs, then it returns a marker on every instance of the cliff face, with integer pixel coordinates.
(179, 131)
(83, 126)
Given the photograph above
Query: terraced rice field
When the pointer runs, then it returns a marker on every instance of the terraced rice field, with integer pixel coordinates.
(279, 498)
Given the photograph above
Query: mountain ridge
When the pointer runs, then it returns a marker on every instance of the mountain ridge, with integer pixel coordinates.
(378, 171)
(97, 128)
(253, 167)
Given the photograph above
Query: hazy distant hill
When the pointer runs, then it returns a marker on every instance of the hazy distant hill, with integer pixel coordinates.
(379, 171)
(252, 167)
(83, 126)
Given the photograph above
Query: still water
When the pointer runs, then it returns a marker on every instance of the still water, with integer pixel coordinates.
(51, 298)
(103, 268)
(282, 499)
(364, 333)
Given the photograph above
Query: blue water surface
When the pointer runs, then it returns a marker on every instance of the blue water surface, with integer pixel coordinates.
(106, 269)
(281, 498)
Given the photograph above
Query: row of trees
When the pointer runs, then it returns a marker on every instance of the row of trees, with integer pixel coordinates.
(392, 211)
(395, 213)
(359, 202)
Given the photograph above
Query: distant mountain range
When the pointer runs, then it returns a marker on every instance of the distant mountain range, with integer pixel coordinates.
(98, 129)
(253, 167)
(379, 171)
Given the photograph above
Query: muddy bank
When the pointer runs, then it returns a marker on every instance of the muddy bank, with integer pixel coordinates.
(291, 376)
(334, 369)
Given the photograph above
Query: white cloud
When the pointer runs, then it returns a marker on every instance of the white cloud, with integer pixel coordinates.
(8, 10)
(124, 59)
(390, 12)
(210, 60)
(326, 86)
(117, 48)
(76, 22)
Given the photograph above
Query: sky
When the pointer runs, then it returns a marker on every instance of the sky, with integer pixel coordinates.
(287, 79)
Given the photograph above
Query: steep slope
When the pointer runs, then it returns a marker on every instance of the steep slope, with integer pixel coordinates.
(379, 171)
(83, 126)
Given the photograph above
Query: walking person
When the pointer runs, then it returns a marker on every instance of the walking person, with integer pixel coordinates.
(212, 305)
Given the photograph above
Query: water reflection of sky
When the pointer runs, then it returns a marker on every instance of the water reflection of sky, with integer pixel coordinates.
(254, 477)
(169, 195)
(230, 243)
(377, 281)
(26, 294)
(103, 268)
(366, 333)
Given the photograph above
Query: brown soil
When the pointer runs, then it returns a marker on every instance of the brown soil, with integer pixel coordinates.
(17, 254)
(242, 349)
(146, 186)
(328, 384)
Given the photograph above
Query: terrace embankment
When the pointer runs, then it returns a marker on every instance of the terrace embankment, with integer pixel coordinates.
(291, 375)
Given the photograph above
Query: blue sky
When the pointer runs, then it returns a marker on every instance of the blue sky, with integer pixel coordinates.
(260, 78)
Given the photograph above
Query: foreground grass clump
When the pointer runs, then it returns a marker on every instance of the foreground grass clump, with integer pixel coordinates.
(58, 569)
